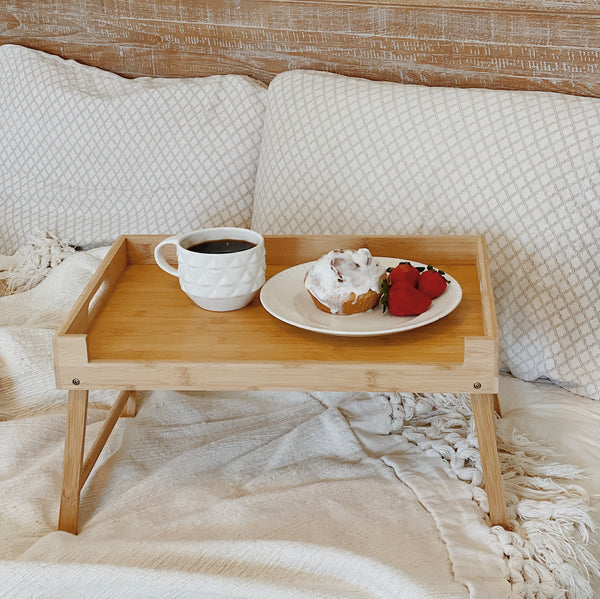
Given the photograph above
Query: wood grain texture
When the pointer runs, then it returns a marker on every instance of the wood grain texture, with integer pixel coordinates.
(535, 44)
(73, 461)
(149, 334)
(103, 435)
(483, 406)
(97, 290)
(76, 468)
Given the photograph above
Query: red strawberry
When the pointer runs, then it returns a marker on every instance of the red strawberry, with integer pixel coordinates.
(404, 300)
(404, 272)
(432, 283)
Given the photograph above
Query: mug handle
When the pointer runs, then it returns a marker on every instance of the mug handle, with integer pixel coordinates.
(160, 259)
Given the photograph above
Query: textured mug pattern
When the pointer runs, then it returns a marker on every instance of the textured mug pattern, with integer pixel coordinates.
(242, 273)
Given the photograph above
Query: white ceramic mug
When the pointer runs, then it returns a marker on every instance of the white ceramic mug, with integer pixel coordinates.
(217, 281)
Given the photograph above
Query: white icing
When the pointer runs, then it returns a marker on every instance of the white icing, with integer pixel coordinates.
(337, 274)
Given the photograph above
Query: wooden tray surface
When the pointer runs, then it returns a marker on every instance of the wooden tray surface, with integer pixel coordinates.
(145, 318)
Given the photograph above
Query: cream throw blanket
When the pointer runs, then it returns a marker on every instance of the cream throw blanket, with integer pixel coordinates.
(260, 494)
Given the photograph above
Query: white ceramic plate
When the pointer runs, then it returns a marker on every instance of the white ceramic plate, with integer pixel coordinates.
(285, 297)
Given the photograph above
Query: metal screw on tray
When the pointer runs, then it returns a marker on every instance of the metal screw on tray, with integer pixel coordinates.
(477, 385)
(75, 381)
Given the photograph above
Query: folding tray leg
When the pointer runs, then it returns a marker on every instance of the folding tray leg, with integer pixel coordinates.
(483, 413)
(130, 409)
(77, 466)
(73, 460)
(497, 408)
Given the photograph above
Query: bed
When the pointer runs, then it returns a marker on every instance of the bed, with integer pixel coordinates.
(296, 494)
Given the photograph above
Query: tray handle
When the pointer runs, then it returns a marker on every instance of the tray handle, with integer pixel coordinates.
(97, 290)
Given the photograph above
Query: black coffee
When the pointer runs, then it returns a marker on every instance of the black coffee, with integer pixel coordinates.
(221, 246)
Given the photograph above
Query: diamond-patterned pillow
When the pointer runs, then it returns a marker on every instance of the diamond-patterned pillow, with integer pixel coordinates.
(89, 155)
(347, 155)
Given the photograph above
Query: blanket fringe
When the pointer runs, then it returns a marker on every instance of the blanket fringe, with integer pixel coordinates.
(32, 262)
(547, 550)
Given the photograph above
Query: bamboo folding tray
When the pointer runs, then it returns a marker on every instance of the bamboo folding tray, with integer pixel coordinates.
(133, 328)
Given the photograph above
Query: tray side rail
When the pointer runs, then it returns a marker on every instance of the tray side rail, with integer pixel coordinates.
(488, 307)
(288, 250)
(70, 343)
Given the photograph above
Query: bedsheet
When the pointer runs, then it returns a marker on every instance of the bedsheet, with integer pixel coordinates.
(568, 422)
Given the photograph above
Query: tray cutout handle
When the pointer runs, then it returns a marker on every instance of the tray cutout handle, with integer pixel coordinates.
(95, 293)
(96, 302)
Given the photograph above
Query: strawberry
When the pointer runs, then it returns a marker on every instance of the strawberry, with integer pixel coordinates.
(432, 282)
(404, 300)
(404, 272)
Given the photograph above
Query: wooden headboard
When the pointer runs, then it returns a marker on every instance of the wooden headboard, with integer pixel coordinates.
(510, 44)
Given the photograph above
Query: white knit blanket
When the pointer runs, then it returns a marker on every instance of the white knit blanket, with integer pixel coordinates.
(268, 495)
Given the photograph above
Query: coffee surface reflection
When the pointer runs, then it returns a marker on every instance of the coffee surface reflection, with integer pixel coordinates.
(221, 246)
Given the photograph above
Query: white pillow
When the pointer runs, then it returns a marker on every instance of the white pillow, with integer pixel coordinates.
(89, 155)
(347, 155)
